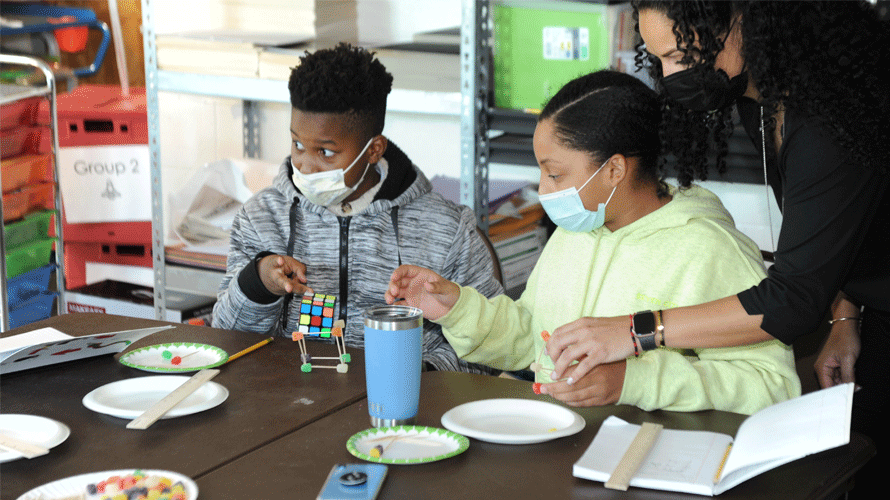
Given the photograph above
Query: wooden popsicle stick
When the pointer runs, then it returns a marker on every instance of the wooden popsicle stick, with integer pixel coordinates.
(633, 458)
(176, 396)
(28, 450)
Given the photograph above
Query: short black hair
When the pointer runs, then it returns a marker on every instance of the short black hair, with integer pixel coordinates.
(343, 80)
(606, 113)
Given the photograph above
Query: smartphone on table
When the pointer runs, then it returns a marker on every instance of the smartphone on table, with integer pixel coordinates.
(353, 482)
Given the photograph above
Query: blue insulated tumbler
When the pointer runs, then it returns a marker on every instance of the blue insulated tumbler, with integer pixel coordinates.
(393, 358)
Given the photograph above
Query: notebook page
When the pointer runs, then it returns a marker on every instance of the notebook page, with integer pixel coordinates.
(793, 429)
(680, 460)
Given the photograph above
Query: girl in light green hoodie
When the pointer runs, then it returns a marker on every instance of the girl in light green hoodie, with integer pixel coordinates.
(625, 242)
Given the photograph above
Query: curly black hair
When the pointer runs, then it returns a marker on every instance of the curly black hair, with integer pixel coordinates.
(344, 79)
(825, 59)
(606, 113)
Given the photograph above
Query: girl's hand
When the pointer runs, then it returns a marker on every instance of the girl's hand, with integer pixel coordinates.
(282, 275)
(602, 386)
(591, 342)
(419, 287)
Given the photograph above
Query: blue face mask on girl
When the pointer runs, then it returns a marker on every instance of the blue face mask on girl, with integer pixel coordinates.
(567, 211)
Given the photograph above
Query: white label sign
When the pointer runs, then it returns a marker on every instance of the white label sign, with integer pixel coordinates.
(566, 44)
(105, 183)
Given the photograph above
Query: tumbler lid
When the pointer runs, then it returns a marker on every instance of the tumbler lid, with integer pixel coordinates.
(393, 317)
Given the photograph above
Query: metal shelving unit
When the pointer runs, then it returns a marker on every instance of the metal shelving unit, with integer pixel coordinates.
(253, 92)
(475, 77)
(15, 93)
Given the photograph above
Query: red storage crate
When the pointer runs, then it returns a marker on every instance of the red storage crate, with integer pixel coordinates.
(21, 171)
(96, 115)
(77, 254)
(29, 199)
(23, 112)
(24, 140)
(99, 115)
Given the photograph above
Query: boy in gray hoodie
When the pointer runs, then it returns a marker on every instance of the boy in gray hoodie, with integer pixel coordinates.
(346, 208)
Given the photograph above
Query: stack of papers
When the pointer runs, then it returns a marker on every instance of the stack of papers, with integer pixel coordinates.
(48, 346)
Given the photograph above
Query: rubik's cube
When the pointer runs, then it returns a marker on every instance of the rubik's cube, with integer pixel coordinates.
(317, 320)
(317, 314)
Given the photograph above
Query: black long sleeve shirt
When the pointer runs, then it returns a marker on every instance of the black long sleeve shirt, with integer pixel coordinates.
(835, 231)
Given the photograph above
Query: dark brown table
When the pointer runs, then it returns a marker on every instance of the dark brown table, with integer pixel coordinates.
(269, 397)
(296, 465)
(281, 431)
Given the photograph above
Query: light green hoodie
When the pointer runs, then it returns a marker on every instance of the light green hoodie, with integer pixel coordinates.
(685, 253)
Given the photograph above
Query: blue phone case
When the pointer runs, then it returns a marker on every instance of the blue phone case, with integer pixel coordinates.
(338, 484)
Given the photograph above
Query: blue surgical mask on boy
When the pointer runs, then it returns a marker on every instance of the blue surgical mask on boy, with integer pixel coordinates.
(567, 211)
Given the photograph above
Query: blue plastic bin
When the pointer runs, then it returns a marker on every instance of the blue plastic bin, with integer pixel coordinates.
(28, 285)
(34, 309)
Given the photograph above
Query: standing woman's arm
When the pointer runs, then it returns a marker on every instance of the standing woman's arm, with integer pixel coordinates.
(836, 361)
(719, 323)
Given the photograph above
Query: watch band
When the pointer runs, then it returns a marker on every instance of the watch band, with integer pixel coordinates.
(643, 327)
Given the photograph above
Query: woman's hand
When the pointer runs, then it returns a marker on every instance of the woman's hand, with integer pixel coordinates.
(282, 274)
(591, 342)
(602, 386)
(419, 287)
(837, 360)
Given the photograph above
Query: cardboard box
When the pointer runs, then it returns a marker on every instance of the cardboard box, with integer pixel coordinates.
(136, 301)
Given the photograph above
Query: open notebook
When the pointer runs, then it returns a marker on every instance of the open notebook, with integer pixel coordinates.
(690, 461)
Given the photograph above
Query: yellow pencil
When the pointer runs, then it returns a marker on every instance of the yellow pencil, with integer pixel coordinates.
(249, 349)
(722, 463)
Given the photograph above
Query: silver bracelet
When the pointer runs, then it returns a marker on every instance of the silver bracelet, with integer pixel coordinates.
(833, 321)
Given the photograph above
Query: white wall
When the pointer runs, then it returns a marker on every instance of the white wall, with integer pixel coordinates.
(379, 21)
(387, 21)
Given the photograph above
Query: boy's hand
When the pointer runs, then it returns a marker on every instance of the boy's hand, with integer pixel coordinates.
(419, 287)
(282, 274)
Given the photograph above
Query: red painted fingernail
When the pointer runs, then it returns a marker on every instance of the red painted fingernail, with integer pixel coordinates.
(536, 387)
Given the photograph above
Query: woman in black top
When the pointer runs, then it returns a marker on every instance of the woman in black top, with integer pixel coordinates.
(813, 73)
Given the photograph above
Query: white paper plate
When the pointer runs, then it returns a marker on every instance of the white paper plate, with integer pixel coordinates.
(162, 358)
(407, 444)
(512, 421)
(131, 397)
(42, 431)
(76, 485)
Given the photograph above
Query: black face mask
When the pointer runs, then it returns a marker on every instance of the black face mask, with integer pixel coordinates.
(704, 89)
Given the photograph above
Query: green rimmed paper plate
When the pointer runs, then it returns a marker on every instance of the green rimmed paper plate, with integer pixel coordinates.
(406, 444)
(176, 357)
